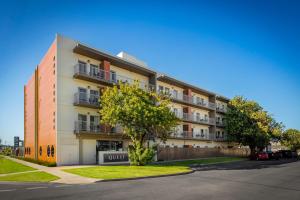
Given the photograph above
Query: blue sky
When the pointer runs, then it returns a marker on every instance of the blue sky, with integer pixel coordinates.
(249, 48)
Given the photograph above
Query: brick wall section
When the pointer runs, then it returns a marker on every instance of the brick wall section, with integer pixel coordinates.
(40, 109)
(105, 65)
(47, 105)
(29, 118)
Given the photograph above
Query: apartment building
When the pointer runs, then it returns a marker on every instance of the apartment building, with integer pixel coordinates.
(61, 119)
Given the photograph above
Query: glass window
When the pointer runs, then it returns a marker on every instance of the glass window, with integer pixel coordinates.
(94, 123)
(82, 67)
(48, 151)
(82, 122)
(94, 96)
(94, 70)
(160, 88)
(82, 94)
(167, 90)
(41, 151)
(52, 151)
(109, 145)
(113, 76)
(175, 94)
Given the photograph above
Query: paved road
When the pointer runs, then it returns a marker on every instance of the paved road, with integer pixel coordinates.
(243, 180)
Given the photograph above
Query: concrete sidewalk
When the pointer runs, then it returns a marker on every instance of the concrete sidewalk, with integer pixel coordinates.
(65, 178)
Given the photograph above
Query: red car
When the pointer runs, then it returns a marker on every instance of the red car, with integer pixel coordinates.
(261, 156)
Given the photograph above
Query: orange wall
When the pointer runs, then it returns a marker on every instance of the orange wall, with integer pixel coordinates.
(46, 105)
(29, 116)
(44, 91)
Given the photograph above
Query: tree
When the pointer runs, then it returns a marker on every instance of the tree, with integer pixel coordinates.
(142, 115)
(249, 124)
(291, 139)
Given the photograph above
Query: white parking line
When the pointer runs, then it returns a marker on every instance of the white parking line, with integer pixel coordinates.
(34, 188)
(10, 190)
(59, 186)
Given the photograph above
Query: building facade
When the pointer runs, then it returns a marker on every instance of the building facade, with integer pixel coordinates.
(61, 119)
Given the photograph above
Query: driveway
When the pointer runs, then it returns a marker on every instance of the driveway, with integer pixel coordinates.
(247, 180)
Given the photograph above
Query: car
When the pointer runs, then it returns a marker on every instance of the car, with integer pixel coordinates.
(274, 155)
(288, 154)
(261, 156)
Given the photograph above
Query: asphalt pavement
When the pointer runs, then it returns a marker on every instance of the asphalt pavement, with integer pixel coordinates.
(246, 180)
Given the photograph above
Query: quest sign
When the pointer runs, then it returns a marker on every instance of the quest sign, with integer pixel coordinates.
(115, 157)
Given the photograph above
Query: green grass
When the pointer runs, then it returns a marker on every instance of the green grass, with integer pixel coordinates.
(8, 166)
(203, 161)
(29, 177)
(115, 172)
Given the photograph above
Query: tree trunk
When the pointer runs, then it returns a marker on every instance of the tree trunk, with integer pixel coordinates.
(252, 152)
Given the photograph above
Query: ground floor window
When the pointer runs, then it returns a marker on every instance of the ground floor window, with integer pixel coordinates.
(103, 145)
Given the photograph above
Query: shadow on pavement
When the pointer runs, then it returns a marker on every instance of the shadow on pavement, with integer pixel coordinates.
(245, 165)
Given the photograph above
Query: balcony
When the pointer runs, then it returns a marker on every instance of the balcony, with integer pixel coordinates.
(93, 74)
(191, 135)
(221, 109)
(82, 99)
(220, 123)
(83, 127)
(182, 98)
(196, 119)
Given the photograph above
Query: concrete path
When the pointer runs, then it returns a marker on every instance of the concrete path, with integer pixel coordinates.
(65, 178)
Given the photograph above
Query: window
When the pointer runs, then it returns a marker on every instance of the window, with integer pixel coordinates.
(48, 151)
(41, 150)
(94, 96)
(82, 122)
(82, 67)
(167, 90)
(82, 94)
(109, 145)
(205, 117)
(175, 110)
(198, 100)
(94, 123)
(198, 116)
(52, 151)
(94, 70)
(175, 94)
(160, 88)
(113, 76)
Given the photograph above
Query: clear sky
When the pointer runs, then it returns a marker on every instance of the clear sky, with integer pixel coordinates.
(249, 48)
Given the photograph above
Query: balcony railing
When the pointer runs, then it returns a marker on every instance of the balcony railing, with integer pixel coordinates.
(192, 135)
(220, 123)
(107, 76)
(220, 109)
(195, 118)
(82, 98)
(85, 127)
(191, 100)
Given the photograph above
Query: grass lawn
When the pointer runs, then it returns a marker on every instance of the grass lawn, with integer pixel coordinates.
(8, 166)
(213, 160)
(29, 177)
(114, 172)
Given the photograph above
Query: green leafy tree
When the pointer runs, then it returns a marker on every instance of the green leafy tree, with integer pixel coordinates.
(291, 139)
(142, 114)
(248, 124)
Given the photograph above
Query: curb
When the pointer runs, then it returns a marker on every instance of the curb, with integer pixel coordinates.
(146, 177)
